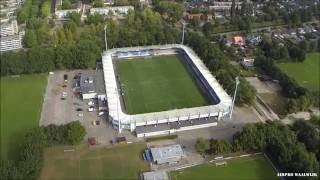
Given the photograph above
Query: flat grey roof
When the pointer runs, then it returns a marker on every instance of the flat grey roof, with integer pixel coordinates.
(155, 175)
(87, 83)
(173, 125)
(100, 87)
(166, 152)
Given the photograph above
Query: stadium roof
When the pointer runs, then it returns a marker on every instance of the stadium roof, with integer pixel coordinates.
(114, 105)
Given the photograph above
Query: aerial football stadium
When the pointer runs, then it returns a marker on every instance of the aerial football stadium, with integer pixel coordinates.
(155, 90)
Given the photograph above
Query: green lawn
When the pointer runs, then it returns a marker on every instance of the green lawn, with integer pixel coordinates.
(307, 74)
(158, 84)
(248, 168)
(21, 103)
(120, 162)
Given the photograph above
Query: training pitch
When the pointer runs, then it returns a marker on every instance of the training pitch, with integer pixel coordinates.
(119, 162)
(255, 167)
(307, 73)
(21, 102)
(156, 84)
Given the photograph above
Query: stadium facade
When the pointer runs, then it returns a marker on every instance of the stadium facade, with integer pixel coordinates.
(170, 121)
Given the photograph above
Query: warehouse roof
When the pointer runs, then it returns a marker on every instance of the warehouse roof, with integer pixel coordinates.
(166, 152)
(155, 175)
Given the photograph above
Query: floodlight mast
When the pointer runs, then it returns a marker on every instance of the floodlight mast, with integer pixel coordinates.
(183, 28)
(105, 36)
(234, 96)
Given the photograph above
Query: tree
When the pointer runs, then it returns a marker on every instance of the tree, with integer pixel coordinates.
(121, 2)
(308, 135)
(284, 54)
(31, 152)
(30, 39)
(246, 92)
(95, 19)
(170, 8)
(75, 17)
(202, 145)
(76, 132)
(97, 3)
(45, 9)
(195, 21)
(220, 147)
(8, 170)
(66, 4)
(207, 28)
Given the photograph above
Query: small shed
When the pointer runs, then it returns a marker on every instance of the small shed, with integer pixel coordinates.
(238, 40)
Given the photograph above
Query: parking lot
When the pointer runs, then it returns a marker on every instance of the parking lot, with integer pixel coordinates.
(58, 111)
(63, 105)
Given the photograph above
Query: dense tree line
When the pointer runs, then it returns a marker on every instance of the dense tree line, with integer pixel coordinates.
(289, 51)
(171, 10)
(272, 52)
(79, 44)
(300, 98)
(30, 158)
(218, 63)
(292, 149)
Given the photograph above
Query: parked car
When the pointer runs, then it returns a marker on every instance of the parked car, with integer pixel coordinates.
(79, 109)
(65, 77)
(90, 109)
(90, 103)
(64, 95)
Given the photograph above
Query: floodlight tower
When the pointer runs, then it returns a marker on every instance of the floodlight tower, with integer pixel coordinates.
(105, 36)
(183, 28)
(234, 96)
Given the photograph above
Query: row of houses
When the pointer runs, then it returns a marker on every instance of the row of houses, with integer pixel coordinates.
(106, 11)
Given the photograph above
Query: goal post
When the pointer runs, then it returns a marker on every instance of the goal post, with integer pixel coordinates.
(221, 163)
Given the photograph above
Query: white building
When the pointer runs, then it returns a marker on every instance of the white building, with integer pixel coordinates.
(167, 154)
(155, 175)
(9, 28)
(224, 5)
(62, 14)
(12, 42)
(114, 10)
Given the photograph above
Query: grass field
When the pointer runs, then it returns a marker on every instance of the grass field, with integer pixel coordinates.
(158, 84)
(252, 168)
(21, 103)
(120, 162)
(307, 74)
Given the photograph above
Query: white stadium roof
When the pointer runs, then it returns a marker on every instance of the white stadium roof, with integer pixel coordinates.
(115, 109)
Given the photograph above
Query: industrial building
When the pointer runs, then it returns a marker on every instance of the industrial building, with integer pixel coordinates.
(155, 175)
(165, 154)
(92, 86)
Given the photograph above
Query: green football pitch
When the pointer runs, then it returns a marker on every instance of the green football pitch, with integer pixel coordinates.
(307, 73)
(253, 168)
(21, 103)
(157, 84)
(119, 162)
